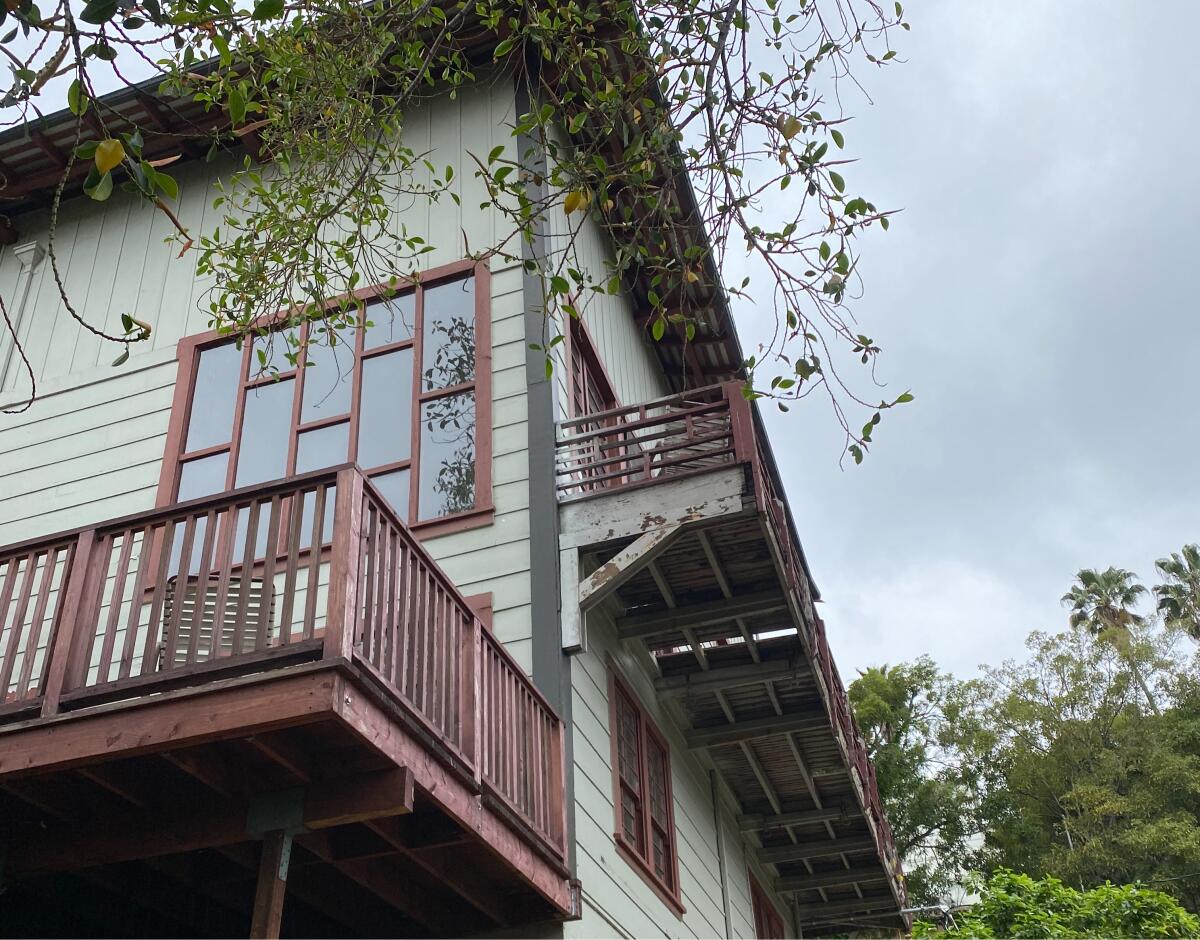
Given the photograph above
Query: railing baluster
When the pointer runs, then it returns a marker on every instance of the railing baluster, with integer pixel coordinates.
(292, 569)
(246, 578)
(17, 622)
(314, 562)
(266, 620)
(35, 625)
(65, 644)
(227, 526)
(135, 602)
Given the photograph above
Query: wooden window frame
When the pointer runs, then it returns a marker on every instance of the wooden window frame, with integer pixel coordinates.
(577, 339)
(766, 914)
(190, 347)
(642, 863)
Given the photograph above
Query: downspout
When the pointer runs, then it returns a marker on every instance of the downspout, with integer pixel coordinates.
(716, 802)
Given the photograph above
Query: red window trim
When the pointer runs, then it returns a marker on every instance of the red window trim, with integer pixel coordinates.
(578, 337)
(188, 355)
(766, 914)
(671, 896)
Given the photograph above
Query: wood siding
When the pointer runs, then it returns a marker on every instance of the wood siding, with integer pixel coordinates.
(91, 448)
(616, 901)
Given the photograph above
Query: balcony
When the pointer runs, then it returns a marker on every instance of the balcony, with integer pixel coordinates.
(671, 518)
(282, 666)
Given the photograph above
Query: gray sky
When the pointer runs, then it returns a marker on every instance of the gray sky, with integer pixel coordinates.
(1037, 296)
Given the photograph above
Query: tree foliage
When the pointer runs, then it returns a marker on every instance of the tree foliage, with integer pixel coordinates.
(1080, 761)
(658, 118)
(1016, 905)
(900, 710)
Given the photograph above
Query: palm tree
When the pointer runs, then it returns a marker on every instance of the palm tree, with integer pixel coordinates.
(1101, 603)
(1179, 594)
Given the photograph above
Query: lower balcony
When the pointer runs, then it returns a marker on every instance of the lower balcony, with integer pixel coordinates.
(671, 519)
(266, 711)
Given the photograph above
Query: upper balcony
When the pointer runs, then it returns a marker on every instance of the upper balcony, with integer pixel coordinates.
(674, 507)
(284, 664)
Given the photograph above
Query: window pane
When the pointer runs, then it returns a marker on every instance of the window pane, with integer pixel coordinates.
(393, 320)
(214, 397)
(324, 447)
(448, 338)
(202, 477)
(266, 430)
(275, 346)
(447, 456)
(385, 415)
(394, 488)
(328, 380)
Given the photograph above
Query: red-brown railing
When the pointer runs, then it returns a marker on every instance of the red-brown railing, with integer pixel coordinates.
(522, 744)
(692, 433)
(622, 447)
(315, 566)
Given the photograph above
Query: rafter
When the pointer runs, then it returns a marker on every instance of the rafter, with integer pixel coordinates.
(806, 817)
(699, 615)
(721, 735)
(805, 850)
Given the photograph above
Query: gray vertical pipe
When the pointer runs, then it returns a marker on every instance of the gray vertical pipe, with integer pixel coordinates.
(716, 802)
(551, 667)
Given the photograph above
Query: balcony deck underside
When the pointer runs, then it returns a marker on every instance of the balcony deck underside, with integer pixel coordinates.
(144, 816)
(700, 581)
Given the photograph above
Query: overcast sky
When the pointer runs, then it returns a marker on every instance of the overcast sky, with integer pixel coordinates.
(1037, 294)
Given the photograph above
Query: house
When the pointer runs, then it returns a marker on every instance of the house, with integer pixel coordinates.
(415, 640)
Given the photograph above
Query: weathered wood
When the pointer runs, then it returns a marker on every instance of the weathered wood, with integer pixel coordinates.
(860, 874)
(342, 622)
(726, 677)
(629, 512)
(638, 626)
(805, 850)
(721, 735)
(752, 822)
(272, 884)
(625, 564)
(572, 620)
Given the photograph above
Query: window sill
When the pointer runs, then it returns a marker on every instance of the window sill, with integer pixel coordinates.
(638, 864)
(448, 525)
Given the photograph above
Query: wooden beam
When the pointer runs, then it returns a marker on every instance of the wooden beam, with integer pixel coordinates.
(858, 875)
(812, 912)
(806, 817)
(726, 677)
(272, 884)
(625, 564)
(798, 853)
(721, 735)
(205, 824)
(698, 615)
(222, 709)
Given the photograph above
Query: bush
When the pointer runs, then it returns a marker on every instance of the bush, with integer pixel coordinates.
(1013, 905)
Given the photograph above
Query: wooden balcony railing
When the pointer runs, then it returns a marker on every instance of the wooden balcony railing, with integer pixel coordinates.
(312, 567)
(696, 432)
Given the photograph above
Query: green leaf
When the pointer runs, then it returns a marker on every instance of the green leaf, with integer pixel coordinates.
(102, 189)
(658, 329)
(838, 183)
(495, 154)
(267, 9)
(504, 47)
(825, 251)
(77, 97)
(904, 399)
(838, 138)
(167, 184)
(577, 122)
(237, 107)
(99, 12)
(121, 359)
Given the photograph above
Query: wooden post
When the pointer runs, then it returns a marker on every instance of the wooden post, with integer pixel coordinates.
(342, 620)
(272, 884)
(65, 643)
(470, 693)
(741, 423)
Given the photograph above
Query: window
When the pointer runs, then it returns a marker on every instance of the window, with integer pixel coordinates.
(645, 817)
(407, 398)
(768, 924)
(591, 391)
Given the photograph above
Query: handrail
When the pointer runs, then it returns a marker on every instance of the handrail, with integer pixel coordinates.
(315, 566)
